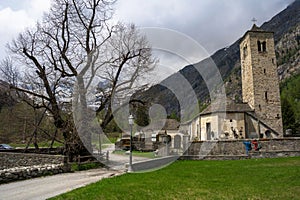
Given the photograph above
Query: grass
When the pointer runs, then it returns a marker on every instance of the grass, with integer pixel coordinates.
(243, 179)
(41, 144)
(85, 166)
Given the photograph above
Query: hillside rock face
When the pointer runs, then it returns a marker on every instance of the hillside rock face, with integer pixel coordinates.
(285, 26)
(288, 53)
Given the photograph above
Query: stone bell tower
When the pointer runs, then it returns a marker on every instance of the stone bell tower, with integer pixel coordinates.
(260, 85)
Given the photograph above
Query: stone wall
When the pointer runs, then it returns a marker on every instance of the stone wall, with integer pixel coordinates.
(19, 166)
(21, 173)
(235, 148)
(10, 160)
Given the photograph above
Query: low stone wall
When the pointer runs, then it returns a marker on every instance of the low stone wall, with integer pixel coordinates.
(18, 166)
(11, 160)
(21, 173)
(235, 148)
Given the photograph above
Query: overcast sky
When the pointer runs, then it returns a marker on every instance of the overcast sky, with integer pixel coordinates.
(213, 24)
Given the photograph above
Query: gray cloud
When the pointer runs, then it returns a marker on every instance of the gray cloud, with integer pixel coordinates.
(213, 23)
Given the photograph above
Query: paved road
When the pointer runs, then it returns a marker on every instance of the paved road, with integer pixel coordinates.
(49, 186)
(119, 162)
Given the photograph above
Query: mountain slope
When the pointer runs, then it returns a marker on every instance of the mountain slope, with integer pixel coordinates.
(228, 62)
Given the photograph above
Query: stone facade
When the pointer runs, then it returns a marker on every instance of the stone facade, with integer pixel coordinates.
(260, 85)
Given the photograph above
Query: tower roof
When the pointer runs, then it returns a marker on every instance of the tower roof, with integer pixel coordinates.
(254, 29)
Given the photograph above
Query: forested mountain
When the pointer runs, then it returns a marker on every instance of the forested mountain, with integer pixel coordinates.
(285, 25)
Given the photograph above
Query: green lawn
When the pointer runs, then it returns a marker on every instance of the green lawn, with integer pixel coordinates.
(243, 179)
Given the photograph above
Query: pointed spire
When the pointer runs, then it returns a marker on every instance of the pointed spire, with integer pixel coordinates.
(256, 28)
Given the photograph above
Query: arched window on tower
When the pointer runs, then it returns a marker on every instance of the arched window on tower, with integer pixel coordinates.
(258, 46)
(264, 46)
(261, 46)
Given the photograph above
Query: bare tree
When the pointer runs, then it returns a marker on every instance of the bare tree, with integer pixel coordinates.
(9, 72)
(75, 45)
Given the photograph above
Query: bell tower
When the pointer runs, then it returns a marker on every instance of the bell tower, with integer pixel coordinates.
(260, 85)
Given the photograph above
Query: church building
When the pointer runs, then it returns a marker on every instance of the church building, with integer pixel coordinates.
(259, 115)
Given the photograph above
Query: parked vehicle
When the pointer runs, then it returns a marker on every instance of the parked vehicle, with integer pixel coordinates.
(5, 146)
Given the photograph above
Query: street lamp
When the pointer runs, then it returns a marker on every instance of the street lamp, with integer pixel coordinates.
(99, 140)
(130, 121)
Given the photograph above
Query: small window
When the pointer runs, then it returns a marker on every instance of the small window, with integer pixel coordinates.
(259, 107)
(258, 46)
(245, 51)
(261, 46)
(273, 61)
(230, 120)
(264, 71)
(266, 96)
(264, 46)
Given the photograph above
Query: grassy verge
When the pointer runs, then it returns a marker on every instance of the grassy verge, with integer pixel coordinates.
(244, 179)
(40, 144)
(85, 166)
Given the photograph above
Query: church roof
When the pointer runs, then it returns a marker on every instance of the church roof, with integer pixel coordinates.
(167, 124)
(231, 107)
(171, 124)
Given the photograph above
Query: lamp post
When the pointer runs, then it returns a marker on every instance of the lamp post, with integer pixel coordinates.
(99, 140)
(130, 121)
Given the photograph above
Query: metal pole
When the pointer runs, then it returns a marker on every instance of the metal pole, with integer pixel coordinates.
(99, 146)
(130, 154)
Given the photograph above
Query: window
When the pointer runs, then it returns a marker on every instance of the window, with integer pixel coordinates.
(264, 46)
(208, 131)
(264, 71)
(266, 96)
(261, 46)
(245, 51)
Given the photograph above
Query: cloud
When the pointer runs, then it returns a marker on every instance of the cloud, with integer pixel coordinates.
(213, 23)
(16, 16)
